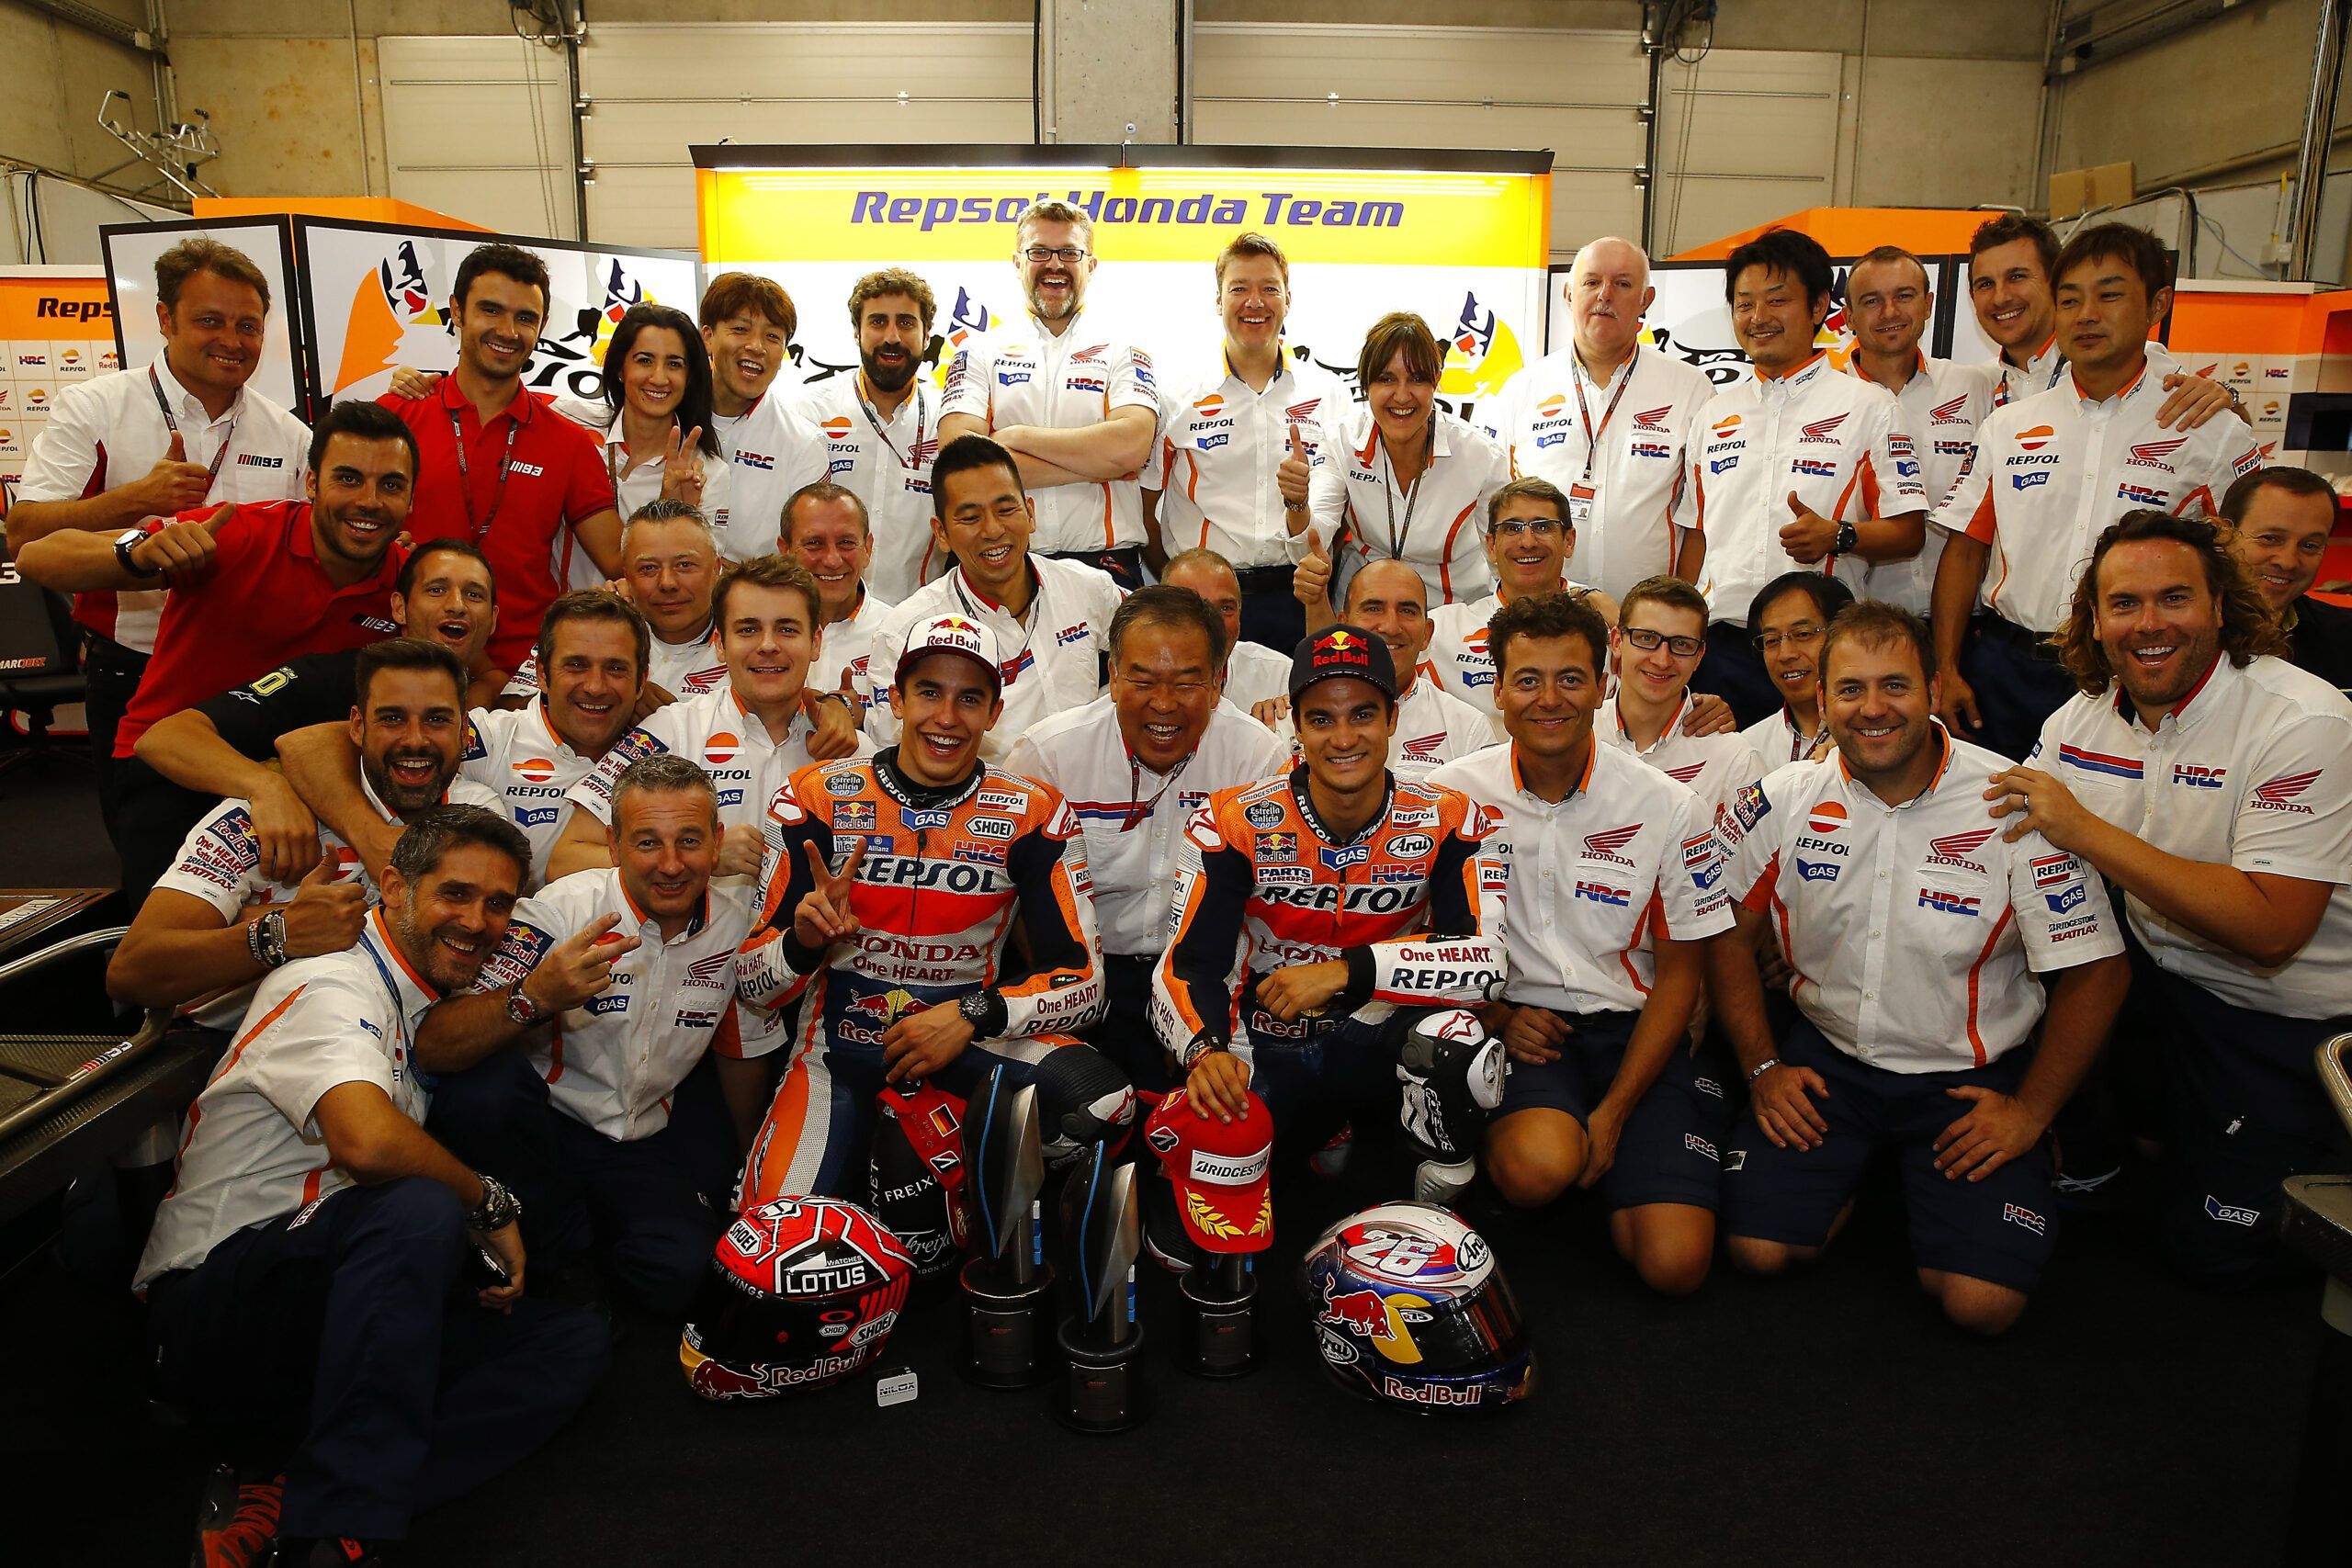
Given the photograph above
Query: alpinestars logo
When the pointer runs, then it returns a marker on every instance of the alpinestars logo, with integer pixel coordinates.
(1953, 849)
(1952, 412)
(1822, 431)
(2279, 794)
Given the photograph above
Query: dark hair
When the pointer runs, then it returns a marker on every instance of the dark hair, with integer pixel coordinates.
(825, 490)
(369, 421)
(965, 455)
(2239, 499)
(1670, 592)
(413, 568)
(1546, 615)
(732, 293)
(1784, 251)
(1890, 253)
(768, 571)
(693, 412)
(1529, 488)
(1400, 332)
(435, 831)
(507, 261)
(2009, 228)
(403, 653)
(2127, 242)
(1253, 243)
(891, 281)
(1873, 623)
(660, 773)
(2249, 627)
(1177, 609)
(592, 605)
(1828, 595)
(202, 252)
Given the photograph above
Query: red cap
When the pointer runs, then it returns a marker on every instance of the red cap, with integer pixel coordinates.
(1222, 1172)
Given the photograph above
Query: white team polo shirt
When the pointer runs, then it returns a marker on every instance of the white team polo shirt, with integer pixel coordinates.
(1053, 659)
(2004, 383)
(1716, 768)
(612, 1062)
(632, 488)
(1434, 728)
(1254, 672)
(1132, 817)
(2251, 770)
(1836, 442)
(110, 430)
(1627, 440)
(848, 643)
(516, 754)
(1911, 928)
(1440, 530)
(1218, 448)
(1942, 406)
(1777, 740)
(1458, 656)
(886, 463)
(770, 455)
(1585, 885)
(726, 739)
(253, 1154)
(1028, 376)
(682, 669)
(2055, 470)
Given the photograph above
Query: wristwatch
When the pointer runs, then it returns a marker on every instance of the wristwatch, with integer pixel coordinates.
(1846, 540)
(1202, 1044)
(127, 541)
(499, 1208)
(522, 1009)
(984, 1010)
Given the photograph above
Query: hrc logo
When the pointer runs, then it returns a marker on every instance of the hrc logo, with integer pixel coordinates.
(1945, 903)
(1601, 894)
(2198, 778)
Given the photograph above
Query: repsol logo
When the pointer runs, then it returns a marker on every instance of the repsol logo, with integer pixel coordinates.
(955, 876)
(1276, 208)
(53, 309)
(1384, 900)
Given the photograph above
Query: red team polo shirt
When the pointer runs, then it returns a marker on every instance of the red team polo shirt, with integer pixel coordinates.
(557, 478)
(265, 602)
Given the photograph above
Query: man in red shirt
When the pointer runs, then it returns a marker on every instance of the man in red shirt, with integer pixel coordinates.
(498, 465)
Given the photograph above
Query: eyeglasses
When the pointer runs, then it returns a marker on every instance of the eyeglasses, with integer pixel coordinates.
(1065, 255)
(1542, 527)
(1649, 641)
(1805, 634)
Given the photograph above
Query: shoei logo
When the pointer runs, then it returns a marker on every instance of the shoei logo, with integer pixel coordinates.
(1653, 420)
(2035, 439)
(1952, 412)
(2230, 1213)
(2279, 794)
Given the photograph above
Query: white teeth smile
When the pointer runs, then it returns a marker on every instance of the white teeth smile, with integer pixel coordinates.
(1880, 733)
(2152, 655)
(941, 747)
(460, 944)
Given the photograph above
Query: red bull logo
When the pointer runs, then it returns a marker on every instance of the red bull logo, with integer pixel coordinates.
(1359, 1311)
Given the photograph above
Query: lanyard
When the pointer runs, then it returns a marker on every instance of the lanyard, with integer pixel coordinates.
(156, 383)
(1396, 535)
(2001, 387)
(1141, 810)
(922, 423)
(392, 994)
(1012, 666)
(464, 470)
(1592, 436)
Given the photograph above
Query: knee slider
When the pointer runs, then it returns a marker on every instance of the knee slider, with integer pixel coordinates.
(1082, 1101)
(1451, 1071)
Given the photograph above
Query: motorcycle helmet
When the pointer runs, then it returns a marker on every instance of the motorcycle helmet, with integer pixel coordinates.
(801, 1292)
(1412, 1309)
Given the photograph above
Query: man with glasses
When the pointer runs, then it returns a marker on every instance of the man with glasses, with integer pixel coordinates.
(1076, 408)
(1660, 636)
(1786, 623)
(1530, 542)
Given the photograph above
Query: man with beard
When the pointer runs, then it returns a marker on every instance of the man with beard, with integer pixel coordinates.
(1077, 410)
(2210, 781)
(828, 530)
(217, 923)
(309, 1272)
(2284, 518)
(880, 429)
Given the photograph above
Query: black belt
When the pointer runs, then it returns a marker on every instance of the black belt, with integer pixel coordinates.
(1265, 578)
(2003, 629)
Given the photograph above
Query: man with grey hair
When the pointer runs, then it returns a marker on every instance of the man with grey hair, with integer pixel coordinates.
(1076, 408)
(1606, 421)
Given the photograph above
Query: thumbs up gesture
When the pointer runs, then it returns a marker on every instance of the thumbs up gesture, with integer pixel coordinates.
(327, 912)
(1310, 582)
(173, 485)
(1807, 534)
(1291, 478)
(182, 551)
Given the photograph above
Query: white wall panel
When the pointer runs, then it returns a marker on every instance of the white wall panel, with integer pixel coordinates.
(480, 129)
(1744, 135)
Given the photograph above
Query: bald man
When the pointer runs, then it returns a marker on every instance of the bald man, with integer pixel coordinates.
(1606, 421)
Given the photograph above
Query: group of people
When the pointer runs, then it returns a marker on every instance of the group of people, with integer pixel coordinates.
(582, 822)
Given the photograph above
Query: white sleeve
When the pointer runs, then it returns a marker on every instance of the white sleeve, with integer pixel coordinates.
(966, 390)
(65, 453)
(219, 861)
(2064, 916)
(323, 1039)
(1893, 457)
(1133, 384)
(2295, 818)
(1690, 881)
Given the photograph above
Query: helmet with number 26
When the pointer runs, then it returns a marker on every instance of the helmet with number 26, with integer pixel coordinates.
(1411, 1308)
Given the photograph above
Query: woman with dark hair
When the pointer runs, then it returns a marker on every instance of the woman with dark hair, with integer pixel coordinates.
(656, 420)
(1413, 481)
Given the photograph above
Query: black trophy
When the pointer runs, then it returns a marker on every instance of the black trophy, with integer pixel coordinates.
(1101, 1386)
(1220, 1299)
(1007, 1284)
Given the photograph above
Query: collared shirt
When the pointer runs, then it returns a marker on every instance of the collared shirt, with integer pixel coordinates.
(886, 463)
(516, 754)
(1458, 656)
(1838, 443)
(1777, 740)
(254, 1152)
(1942, 406)
(2254, 770)
(1440, 529)
(724, 737)
(1028, 376)
(770, 453)
(1580, 888)
(682, 669)
(1714, 767)
(1132, 817)
(110, 431)
(1254, 672)
(2004, 383)
(1911, 928)
(846, 655)
(554, 480)
(2055, 470)
(265, 600)
(1434, 728)
(1053, 657)
(220, 862)
(1219, 444)
(1627, 442)
(612, 1062)
(632, 488)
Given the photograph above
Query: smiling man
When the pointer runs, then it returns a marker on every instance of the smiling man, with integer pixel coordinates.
(747, 326)
(1529, 543)
(2284, 518)
(828, 530)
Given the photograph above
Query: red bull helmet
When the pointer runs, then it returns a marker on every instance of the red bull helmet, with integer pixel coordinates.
(801, 1292)
(1412, 1309)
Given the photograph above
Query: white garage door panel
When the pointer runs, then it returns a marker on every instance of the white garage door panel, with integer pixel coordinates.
(1760, 129)
(782, 59)
(461, 133)
(1576, 137)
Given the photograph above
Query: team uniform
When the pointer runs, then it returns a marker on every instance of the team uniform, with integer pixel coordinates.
(946, 873)
(1776, 739)
(1941, 405)
(1354, 498)
(275, 1284)
(2052, 471)
(1253, 674)
(632, 488)
(1913, 932)
(1434, 728)
(1457, 657)
(682, 669)
(716, 731)
(517, 756)
(1840, 444)
(1077, 378)
(1617, 450)
(770, 454)
(1132, 821)
(2249, 771)
(1627, 856)
(1053, 660)
(886, 463)
(1714, 767)
(846, 661)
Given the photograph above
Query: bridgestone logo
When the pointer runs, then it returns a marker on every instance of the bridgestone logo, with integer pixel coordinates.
(1230, 1171)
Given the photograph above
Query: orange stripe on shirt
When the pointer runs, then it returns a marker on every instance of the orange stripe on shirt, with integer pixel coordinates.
(1976, 1041)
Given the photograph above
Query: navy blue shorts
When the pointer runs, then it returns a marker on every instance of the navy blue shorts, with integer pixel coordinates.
(1668, 1152)
(1998, 1230)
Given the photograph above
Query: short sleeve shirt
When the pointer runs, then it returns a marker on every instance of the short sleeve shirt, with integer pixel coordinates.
(770, 453)
(885, 461)
(727, 740)
(516, 754)
(1440, 530)
(1218, 448)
